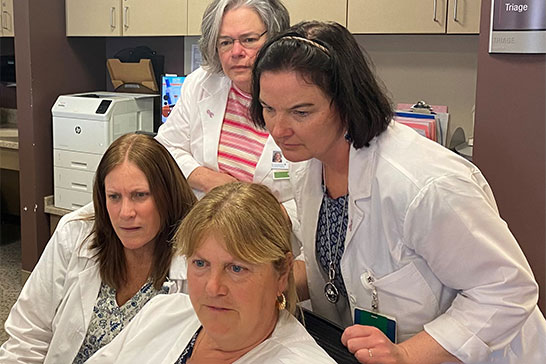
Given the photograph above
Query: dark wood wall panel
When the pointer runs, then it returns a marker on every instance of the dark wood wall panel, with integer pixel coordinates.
(47, 64)
(510, 143)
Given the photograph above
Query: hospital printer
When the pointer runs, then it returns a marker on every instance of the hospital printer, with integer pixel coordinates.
(84, 125)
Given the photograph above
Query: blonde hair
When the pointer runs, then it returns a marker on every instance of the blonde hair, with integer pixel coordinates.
(252, 224)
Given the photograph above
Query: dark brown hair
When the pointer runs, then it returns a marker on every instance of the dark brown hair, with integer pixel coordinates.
(328, 56)
(172, 195)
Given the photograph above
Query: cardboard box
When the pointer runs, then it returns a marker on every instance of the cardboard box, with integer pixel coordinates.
(132, 77)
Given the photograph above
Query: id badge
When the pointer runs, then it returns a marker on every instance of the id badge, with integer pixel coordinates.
(384, 323)
(278, 161)
(280, 175)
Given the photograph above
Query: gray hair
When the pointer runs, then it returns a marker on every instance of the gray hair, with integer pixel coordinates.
(272, 12)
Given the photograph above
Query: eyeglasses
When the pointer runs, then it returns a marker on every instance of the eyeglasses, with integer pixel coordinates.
(248, 41)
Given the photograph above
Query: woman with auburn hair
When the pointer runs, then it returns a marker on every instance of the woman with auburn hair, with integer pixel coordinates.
(104, 261)
(242, 295)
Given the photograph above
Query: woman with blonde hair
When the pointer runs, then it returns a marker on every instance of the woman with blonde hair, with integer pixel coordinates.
(104, 261)
(242, 298)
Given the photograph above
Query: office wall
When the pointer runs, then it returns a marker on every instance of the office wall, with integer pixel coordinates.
(440, 69)
(510, 143)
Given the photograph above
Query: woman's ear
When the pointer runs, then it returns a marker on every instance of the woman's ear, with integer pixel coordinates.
(288, 267)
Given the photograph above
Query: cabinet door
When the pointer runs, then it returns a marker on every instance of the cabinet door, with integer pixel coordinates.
(196, 8)
(7, 18)
(463, 16)
(93, 18)
(397, 16)
(325, 10)
(154, 18)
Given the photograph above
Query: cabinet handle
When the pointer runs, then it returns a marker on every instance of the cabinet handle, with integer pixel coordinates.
(435, 18)
(5, 21)
(113, 18)
(455, 11)
(126, 18)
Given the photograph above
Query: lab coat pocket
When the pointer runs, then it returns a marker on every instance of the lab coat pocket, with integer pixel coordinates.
(406, 295)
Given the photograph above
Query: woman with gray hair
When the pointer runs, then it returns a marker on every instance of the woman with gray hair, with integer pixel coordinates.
(209, 132)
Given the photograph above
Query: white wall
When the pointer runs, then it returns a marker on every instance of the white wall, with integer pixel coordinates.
(440, 69)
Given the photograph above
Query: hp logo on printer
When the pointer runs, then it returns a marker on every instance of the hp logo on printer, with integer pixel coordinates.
(78, 130)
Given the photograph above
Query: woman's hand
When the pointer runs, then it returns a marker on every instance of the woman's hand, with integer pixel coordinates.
(370, 345)
(205, 179)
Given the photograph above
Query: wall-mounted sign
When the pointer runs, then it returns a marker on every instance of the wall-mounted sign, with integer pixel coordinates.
(518, 26)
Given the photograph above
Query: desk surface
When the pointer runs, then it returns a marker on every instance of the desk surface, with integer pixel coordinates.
(50, 208)
(9, 136)
(9, 147)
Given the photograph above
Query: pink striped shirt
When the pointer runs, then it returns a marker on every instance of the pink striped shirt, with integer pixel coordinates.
(241, 143)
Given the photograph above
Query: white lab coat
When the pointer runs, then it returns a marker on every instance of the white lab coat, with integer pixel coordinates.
(163, 328)
(424, 224)
(192, 133)
(49, 321)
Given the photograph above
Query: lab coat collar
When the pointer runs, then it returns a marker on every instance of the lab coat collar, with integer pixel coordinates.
(361, 166)
(263, 167)
(361, 169)
(89, 285)
(84, 250)
(179, 268)
(215, 82)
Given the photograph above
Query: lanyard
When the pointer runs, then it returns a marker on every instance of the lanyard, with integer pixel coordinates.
(368, 281)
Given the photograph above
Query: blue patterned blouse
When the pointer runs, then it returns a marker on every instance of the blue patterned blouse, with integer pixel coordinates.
(186, 354)
(109, 319)
(335, 243)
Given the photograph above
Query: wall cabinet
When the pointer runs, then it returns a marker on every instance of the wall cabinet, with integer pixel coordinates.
(413, 17)
(196, 8)
(6, 18)
(333, 10)
(126, 17)
(183, 17)
(330, 10)
(463, 16)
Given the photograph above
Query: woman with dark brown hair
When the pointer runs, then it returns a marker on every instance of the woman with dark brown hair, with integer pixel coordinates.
(102, 265)
(403, 243)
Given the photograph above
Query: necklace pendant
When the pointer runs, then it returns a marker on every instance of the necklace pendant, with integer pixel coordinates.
(331, 292)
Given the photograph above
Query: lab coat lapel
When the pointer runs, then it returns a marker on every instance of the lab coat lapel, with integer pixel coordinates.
(310, 195)
(89, 284)
(211, 112)
(263, 167)
(361, 166)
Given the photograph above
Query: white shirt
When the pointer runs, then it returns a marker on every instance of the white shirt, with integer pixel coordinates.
(424, 224)
(49, 320)
(163, 328)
